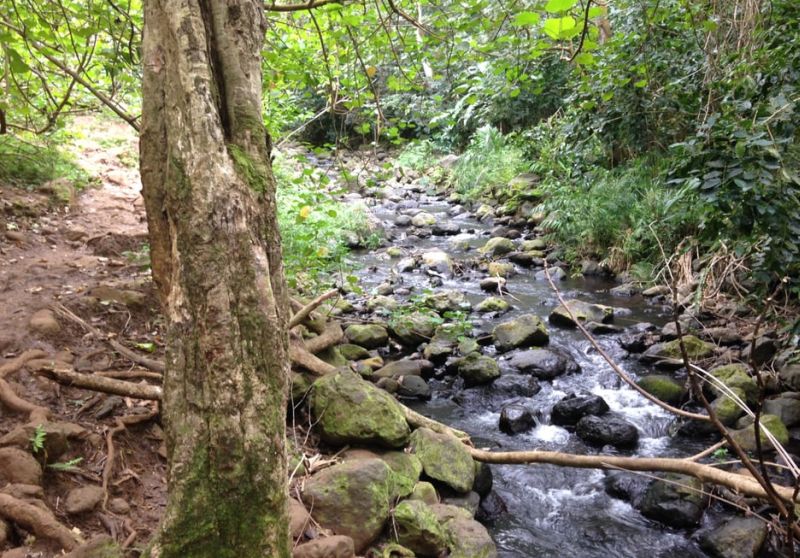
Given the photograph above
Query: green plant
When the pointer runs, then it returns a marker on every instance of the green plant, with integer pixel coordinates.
(490, 160)
(417, 155)
(38, 439)
(66, 466)
(28, 161)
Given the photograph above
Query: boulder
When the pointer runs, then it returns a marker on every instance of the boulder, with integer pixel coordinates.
(544, 364)
(19, 466)
(676, 501)
(607, 430)
(415, 328)
(83, 499)
(515, 418)
(492, 284)
(443, 343)
(469, 501)
(351, 410)
(789, 375)
(534, 244)
(740, 537)
(786, 407)
(726, 409)
(524, 331)
(446, 229)
(555, 273)
(336, 546)
(582, 311)
(477, 369)
(500, 269)
(438, 260)
(497, 247)
(469, 539)
(746, 436)
(423, 219)
(447, 300)
(369, 336)
(573, 408)
(671, 351)
(492, 304)
(403, 367)
(352, 498)
(413, 387)
(299, 518)
(516, 385)
(353, 352)
(665, 388)
(424, 492)
(721, 335)
(765, 348)
(419, 529)
(625, 290)
(444, 458)
(527, 259)
(736, 376)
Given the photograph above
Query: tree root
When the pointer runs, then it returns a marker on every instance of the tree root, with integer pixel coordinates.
(304, 312)
(9, 397)
(41, 522)
(420, 421)
(303, 358)
(330, 336)
(122, 423)
(98, 383)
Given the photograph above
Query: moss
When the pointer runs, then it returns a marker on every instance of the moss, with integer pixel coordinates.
(444, 458)
(492, 304)
(695, 348)
(746, 436)
(419, 529)
(254, 172)
(664, 388)
(737, 376)
(727, 410)
(406, 469)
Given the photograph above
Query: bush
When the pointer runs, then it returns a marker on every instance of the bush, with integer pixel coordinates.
(491, 160)
(30, 163)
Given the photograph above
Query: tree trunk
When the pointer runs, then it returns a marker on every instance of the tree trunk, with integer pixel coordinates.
(215, 253)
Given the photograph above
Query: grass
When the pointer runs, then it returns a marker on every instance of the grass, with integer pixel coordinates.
(29, 162)
(490, 160)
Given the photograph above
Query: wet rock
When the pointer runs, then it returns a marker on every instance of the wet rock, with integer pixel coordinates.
(736, 376)
(582, 311)
(337, 546)
(404, 367)
(477, 369)
(418, 528)
(789, 375)
(670, 352)
(515, 418)
(676, 501)
(351, 410)
(446, 229)
(484, 479)
(594, 268)
(665, 388)
(444, 458)
(469, 501)
(484, 212)
(524, 331)
(448, 300)
(438, 260)
(424, 492)
(491, 508)
(382, 302)
(746, 437)
(786, 407)
(573, 408)
(492, 284)
(415, 328)
(727, 410)
(84, 499)
(394, 252)
(634, 342)
(353, 352)
(516, 385)
(721, 335)
(423, 219)
(556, 274)
(527, 259)
(406, 264)
(413, 387)
(501, 269)
(443, 343)
(765, 349)
(626, 486)
(740, 537)
(607, 430)
(626, 290)
(498, 246)
(402, 221)
(544, 364)
(351, 498)
(44, 322)
(468, 345)
(492, 304)
(369, 336)
(18, 466)
(597, 328)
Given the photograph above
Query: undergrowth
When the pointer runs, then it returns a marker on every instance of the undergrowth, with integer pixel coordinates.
(31, 162)
(490, 160)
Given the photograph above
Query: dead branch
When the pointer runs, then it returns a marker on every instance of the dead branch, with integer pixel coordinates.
(300, 315)
(330, 336)
(99, 383)
(420, 421)
(130, 374)
(40, 521)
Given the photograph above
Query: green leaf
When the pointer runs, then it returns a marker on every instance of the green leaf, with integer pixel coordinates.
(555, 6)
(641, 83)
(585, 59)
(16, 62)
(559, 27)
(526, 18)
(148, 346)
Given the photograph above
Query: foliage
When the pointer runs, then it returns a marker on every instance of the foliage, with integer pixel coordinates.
(490, 160)
(29, 162)
(66, 466)
(417, 155)
(38, 439)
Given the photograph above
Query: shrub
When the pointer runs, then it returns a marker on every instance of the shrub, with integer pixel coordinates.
(491, 160)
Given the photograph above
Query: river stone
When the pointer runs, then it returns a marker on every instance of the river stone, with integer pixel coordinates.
(515, 418)
(497, 247)
(500, 269)
(469, 501)
(446, 229)
(19, 466)
(448, 300)
(382, 302)
(351, 410)
(403, 367)
(573, 408)
(658, 290)
(484, 211)
(527, 259)
(424, 492)
(665, 388)
(438, 260)
(524, 331)
(626, 486)
(403, 220)
(418, 528)
(726, 409)
(477, 369)
(765, 349)
(740, 537)
(369, 336)
(353, 352)
(413, 386)
(516, 385)
(444, 458)
(597, 328)
(468, 345)
(789, 375)
(625, 290)
(351, 498)
(583, 312)
(534, 244)
(677, 503)
(406, 264)
(423, 219)
(469, 539)
(443, 343)
(336, 546)
(83, 499)
(415, 328)
(543, 363)
(786, 407)
(736, 376)
(671, 351)
(332, 356)
(722, 335)
(555, 273)
(492, 304)
(607, 430)
(746, 436)
(492, 284)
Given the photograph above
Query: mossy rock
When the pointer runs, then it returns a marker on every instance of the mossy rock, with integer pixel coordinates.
(102, 546)
(468, 538)
(664, 388)
(526, 331)
(406, 469)
(449, 300)
(726, 409)
(351, 498)
(351, 410)
(582, 311)
(425, 492)
(369, 336)
(332, 356)
(444, 458)
(696, 349)
(394, 252)
(677, 501)
(746, 436)
(353, 352)
(492, 304)
(501, 269)
(301, 386)
(442, 344)
(419, 529)
(534, 245)
(736, 376)
(415, 328)
(498, 246)
(477, 369)
(467, 346)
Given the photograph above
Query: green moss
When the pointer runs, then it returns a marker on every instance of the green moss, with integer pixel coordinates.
(727, 410)
(746, 436)
(664, 388)
(736, 376)
(254, 172)
(695, 348)
(419, 529)
(444, 458)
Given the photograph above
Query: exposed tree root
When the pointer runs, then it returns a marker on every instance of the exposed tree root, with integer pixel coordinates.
(37, 520)
(304, 312)
(303, 358)
(330, 336)
(130, 375)
(420, 421)
(98, 383)
(122, 423)
(9, 397)
(17, 363)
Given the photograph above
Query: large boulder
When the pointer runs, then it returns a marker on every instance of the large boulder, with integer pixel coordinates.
(477, 369)
(727, 409)
(405, 467)
(498, 246)
(789, 375)
(583, 312)
(746, 436)
(415, 328)
(677, 501)
(469, 539)
(525, 331)
(350, 410)
(607, 430)
(544, 364)
(419, 529)
(444, 458)
(337, 546)
(369, 336)
(352, 498)
(736, 376)
(665, 388)
(573, 408)
(515, 385)
(740, 537)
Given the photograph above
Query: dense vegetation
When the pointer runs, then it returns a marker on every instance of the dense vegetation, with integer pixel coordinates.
(652, 127)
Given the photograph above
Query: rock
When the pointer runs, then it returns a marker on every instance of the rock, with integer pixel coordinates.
(403, 221)
(446, 229)
(671, 350)
(527, 259)
(573, 408)
(353, 352)
(351, 498)
(418, 528)
(18, 466)
(625, 290)
(677, 503)
(524, 331)
(491, 508)
(369, 336)
(484, 212)
(444, 458)
(789, 375)
(299, 518)
(413, 386)
(492, 284)
(664, 388)
(534, 244)
(6, 533)
(119, 506)
(516, 385)
(765, 349)
(44, 322)
(423, 219)
(424, 492)
(448, 300)
(497, 247)
(301, 386)
(83, 499)
(726, 409)
(337, 546)
(607, 430)
(722, 335)
(786, 407)
(515, 418)
(130, 298)
(658, 290)
(593, 268)
(469, 539)
(626, 486)
(740, 537)
(101, 546)
(634, 342)
(556, 274)
(582, 311)
(438, 260)
(492, 304)
(746, 436)
(406, 264)
(332, 356)
(351, 410)
(501, 269)
(477, 369)
(544, 364)
(403, 367)
(597, 328)
(469, 501)
(468, 345)
(415, 328)
(394, 252)
(382, 302)
(736, 376)
(57, 436)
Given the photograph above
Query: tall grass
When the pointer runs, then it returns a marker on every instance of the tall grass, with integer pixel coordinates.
(490, 160)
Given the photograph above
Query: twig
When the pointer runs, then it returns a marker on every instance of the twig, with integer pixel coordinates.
(121, 424)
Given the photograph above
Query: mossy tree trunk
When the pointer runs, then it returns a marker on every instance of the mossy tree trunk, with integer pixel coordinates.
(215, 252)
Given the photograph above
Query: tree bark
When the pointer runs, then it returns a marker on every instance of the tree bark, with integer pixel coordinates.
(215, 250)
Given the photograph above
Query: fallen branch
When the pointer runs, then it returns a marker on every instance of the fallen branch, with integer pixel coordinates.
(99, 383)
(420, 421)
(37, 520)
(130, 374)
(305, 311)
